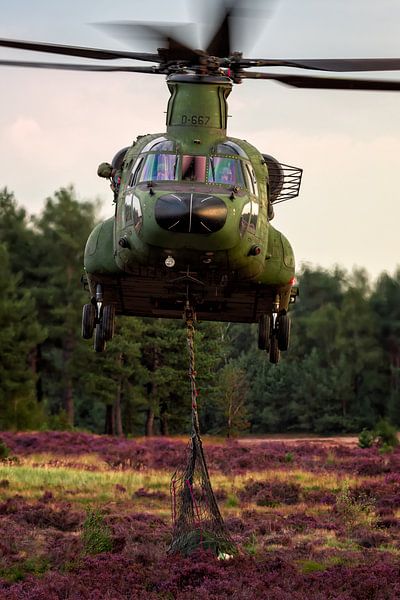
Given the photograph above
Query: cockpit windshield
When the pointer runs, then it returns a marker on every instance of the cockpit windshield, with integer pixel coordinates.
(160, 167)
(225, 170)
(202, 169)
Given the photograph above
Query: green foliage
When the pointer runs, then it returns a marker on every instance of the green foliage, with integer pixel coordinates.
(386, 434)
(4, 450)
(366, 438)
(231, 401)
(232, 501)
(341, 373)
(19, 334)
(96, 536)
(355, 512)
(288, 458)
(31, 566)
(310, 566)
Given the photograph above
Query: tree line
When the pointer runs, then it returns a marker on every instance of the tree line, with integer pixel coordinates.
(341, 373)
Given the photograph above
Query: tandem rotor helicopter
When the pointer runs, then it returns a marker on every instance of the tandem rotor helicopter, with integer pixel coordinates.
(193, 206)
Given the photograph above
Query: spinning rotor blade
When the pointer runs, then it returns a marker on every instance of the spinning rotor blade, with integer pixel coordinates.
(327, 64)
(220, 44)
(163, 37)
(78, 51)
(328, 83)
(69, 67)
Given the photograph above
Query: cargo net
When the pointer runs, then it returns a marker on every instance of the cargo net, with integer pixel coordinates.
(197, 522)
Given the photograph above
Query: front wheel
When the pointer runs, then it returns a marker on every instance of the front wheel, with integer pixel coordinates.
(263, 332)
(274, 353)
(88, 321)
(99, 339)
(108, 321)
(283, 332)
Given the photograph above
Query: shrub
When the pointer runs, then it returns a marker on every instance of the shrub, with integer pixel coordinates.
(4, 450)
(366, 438)
(96, 534)
(355, 512)
(386, 435)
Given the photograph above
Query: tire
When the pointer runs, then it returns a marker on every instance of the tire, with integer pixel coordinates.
(274, 353)
(283, 332)
(108, 321)
(88, 321)
(263, 332)
(99, 340)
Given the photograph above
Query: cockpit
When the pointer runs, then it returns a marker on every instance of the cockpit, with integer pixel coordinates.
(226, 165)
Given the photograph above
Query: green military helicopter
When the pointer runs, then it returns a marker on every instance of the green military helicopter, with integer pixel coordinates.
(193, 206)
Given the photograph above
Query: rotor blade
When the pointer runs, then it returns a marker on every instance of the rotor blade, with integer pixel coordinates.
(69, 67)
(220, 44)
(78, 50)
(239, 18)
(329, 64)
(329, 83)
(162, 36)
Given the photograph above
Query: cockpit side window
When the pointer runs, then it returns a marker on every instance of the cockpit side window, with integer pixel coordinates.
(160, 167)
(225, 170)
(135, 171)
(230, 148)
(251, 179)
(160, 144)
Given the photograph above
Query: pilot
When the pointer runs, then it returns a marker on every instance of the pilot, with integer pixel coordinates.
(160, 173)
(105, 170)
(226, 175)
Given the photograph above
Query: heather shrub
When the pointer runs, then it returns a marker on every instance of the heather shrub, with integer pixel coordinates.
(96, 536)
(271, 493)
(369, 538)
(156, 495)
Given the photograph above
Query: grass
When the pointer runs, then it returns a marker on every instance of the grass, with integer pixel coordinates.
(31, 482)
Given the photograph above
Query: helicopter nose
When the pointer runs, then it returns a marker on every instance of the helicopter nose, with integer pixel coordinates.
(190, 213)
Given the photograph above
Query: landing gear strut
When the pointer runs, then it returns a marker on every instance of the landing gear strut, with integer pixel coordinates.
(274, 332)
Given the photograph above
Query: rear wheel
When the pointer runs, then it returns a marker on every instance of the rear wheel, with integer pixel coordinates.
(263, 332)
(108, 321)
(274, 353)
(88, 321)
(99, 339)
(283, 332)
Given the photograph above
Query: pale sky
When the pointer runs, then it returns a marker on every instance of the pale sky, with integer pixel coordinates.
(56, 127)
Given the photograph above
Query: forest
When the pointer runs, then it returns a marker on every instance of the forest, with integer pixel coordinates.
(341, 373)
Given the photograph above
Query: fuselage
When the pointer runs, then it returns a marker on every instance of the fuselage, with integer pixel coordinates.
(193, 200)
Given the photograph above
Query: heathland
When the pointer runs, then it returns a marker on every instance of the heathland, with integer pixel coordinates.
(88, 517)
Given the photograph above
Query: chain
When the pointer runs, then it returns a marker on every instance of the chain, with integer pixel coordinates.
(190, 318)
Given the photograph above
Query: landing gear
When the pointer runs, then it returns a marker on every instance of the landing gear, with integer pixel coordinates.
(274, 352)
(88, 321)
(283, 331)
(100, 319)
(274, 332)
(264, 325)
(108, 321)
(99, 339)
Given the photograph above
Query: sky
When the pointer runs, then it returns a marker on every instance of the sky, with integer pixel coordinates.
(56, 127)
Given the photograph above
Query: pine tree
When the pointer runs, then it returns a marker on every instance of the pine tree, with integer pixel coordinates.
(19, 334)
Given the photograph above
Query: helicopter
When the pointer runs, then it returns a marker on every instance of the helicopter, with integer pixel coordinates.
(193, 206)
